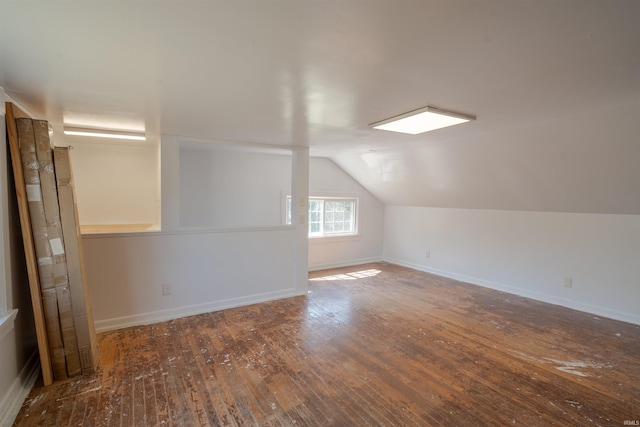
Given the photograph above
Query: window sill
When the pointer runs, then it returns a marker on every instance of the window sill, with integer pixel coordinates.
(6, 323)
(335, 239)
(117, 228)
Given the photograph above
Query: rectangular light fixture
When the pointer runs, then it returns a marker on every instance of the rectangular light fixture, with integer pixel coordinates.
(104, 133)
(422, 120)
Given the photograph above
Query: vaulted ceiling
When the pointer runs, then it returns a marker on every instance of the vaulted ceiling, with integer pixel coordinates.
(555, 86)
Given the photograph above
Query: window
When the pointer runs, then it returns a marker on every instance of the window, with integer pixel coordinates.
(330, 216)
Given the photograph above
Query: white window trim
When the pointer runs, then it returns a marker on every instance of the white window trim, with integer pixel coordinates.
(7, 317)
(329, 196)
(4, 227)
(4, 279)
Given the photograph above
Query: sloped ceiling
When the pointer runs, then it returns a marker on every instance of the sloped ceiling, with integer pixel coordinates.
(555, 86)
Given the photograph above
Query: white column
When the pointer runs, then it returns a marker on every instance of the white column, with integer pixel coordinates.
(299, 217)
(169, 183)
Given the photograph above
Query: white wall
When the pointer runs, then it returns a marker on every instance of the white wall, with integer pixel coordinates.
(526, 253)
(222, 187)
(328, 179)
(207, 270)
(209, 267)
(116, 183)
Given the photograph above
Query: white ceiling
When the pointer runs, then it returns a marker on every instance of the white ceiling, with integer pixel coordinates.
(555, 86)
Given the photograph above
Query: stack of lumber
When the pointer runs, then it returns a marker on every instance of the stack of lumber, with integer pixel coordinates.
(53, 248)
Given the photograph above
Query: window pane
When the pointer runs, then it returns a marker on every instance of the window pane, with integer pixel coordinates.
(315, 206)
(337, 216)
(331, 217)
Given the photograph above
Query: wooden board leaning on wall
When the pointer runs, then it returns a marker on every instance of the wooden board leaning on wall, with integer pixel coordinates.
(13, 113)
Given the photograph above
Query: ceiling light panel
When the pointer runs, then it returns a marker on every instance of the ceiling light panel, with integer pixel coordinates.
(103, 133)
(422, 120)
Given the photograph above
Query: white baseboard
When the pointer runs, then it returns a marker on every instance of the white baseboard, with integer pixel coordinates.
(15, 396)
(175, 313)
(349, 263)
(575, 305)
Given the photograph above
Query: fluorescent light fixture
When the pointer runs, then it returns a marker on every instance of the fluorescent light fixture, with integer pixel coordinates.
(422, 120)
(104, 133)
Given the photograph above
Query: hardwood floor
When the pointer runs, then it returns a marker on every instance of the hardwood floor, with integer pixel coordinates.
(375, 344)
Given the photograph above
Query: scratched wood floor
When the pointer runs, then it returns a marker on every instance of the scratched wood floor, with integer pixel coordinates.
(375, 344)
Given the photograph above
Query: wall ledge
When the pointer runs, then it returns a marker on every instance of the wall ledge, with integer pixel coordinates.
(187, 231)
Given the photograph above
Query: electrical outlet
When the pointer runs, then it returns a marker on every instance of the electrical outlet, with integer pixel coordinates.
(427, 254)
(568, 282)
(166, 289)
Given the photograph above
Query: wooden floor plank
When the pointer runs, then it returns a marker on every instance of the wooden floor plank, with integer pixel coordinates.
(376, 344)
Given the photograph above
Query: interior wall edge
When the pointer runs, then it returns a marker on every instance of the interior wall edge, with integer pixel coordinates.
(567, 303)
(336, 162)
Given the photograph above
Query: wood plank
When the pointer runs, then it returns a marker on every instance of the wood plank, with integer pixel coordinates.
(376, 344)
(13, 112)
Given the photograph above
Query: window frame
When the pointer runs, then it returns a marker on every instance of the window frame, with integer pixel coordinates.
(326, 198)
(7, 314)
